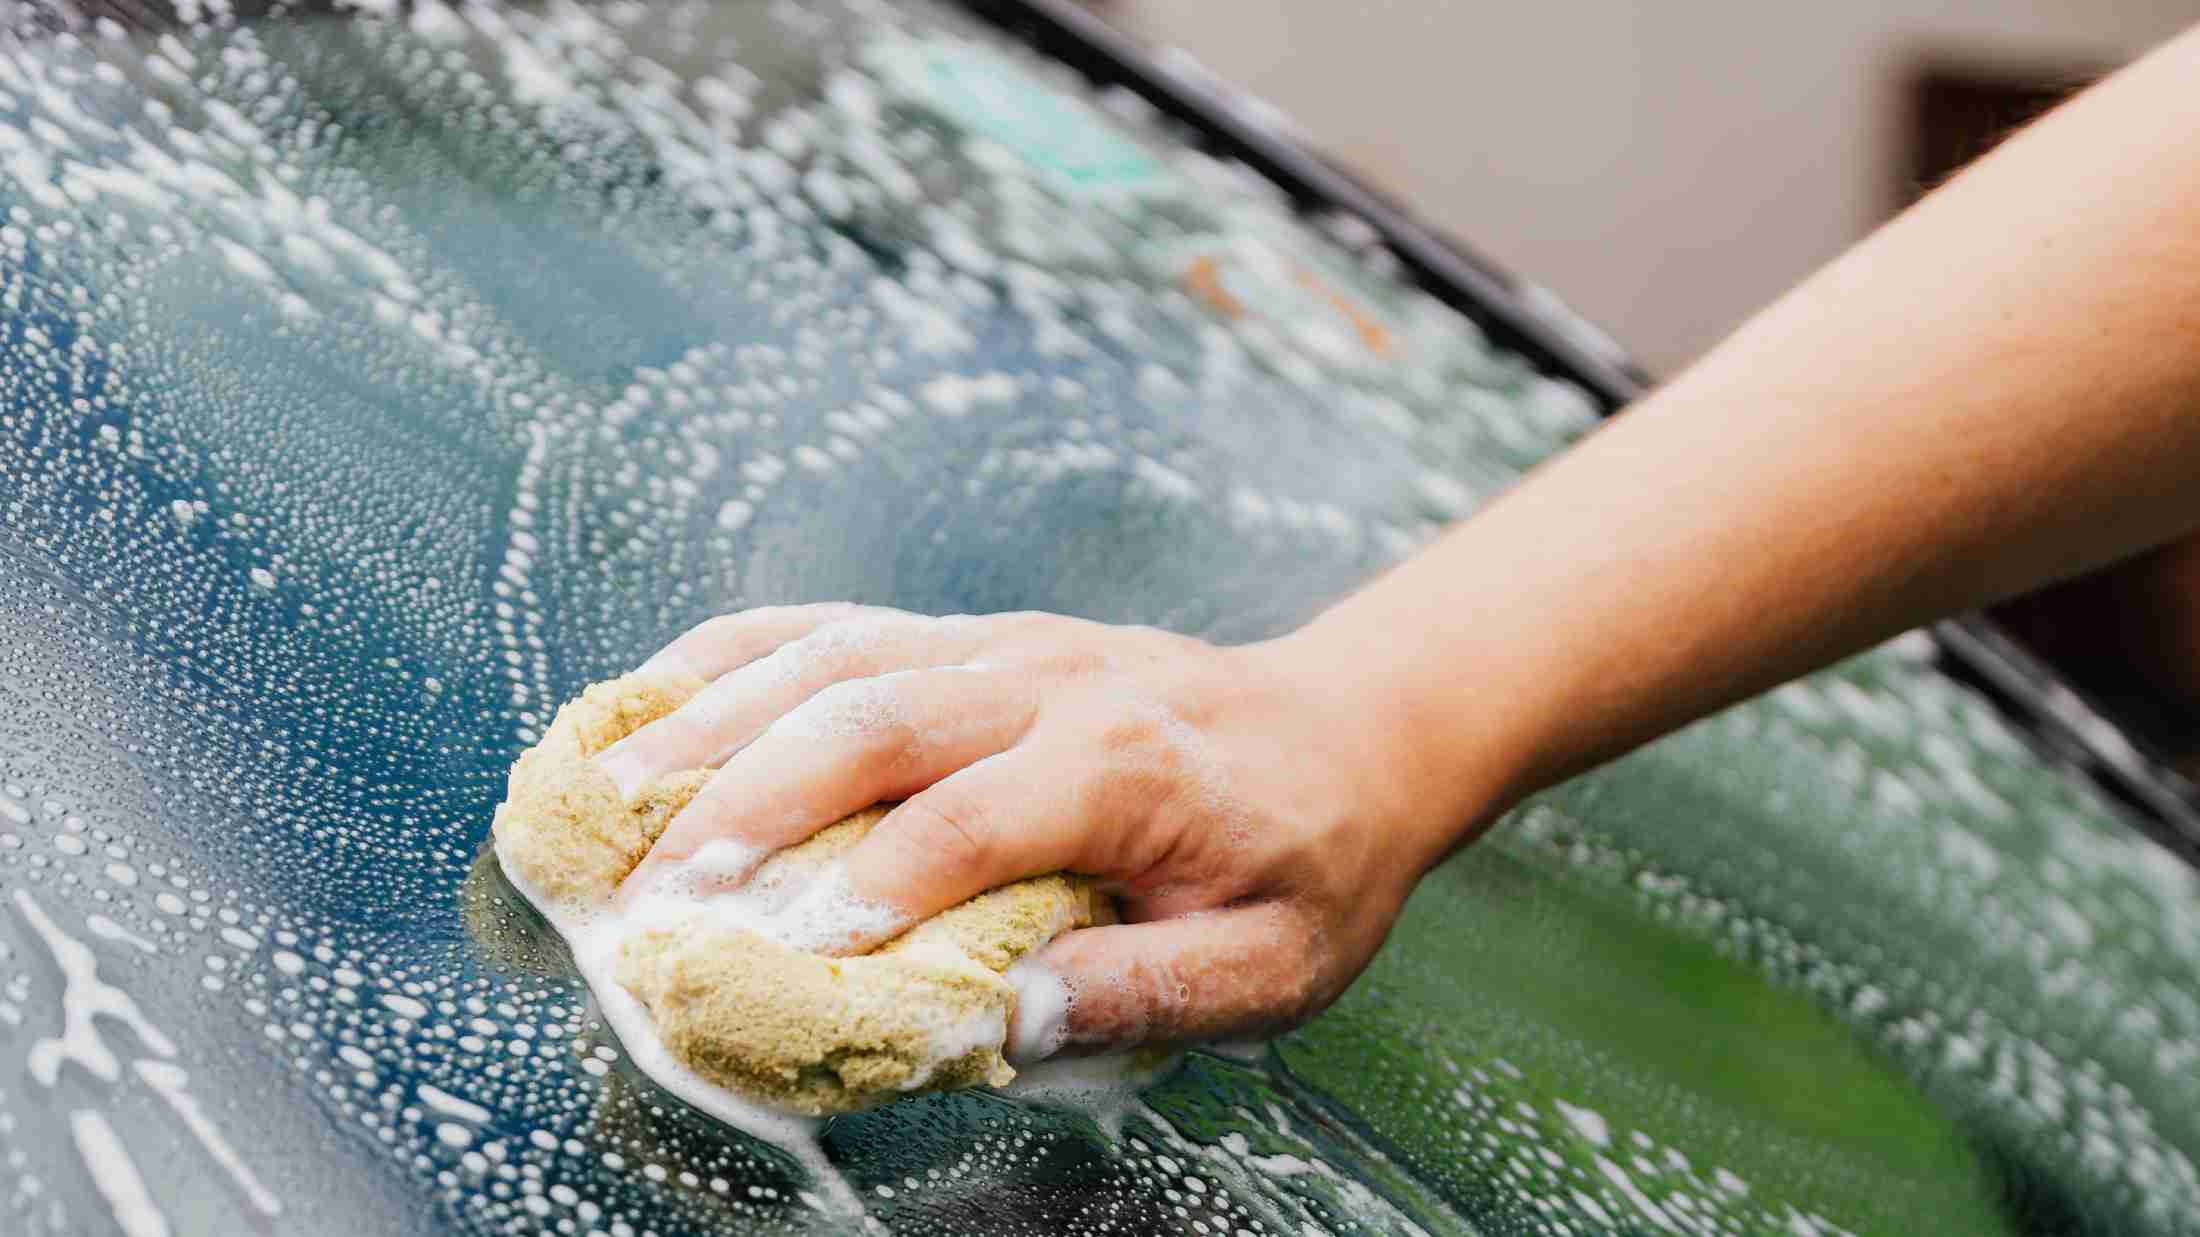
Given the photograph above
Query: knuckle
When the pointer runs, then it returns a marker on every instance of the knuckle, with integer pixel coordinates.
(1125, 729)
(1145, 738)
(718, 629)
(1075, 660)
(821, 612)
(1025, 622)
(838, 648)
(1046, 642)
(763, 620)
(949, 826)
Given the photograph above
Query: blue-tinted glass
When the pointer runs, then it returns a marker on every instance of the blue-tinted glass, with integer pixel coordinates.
(371, 381)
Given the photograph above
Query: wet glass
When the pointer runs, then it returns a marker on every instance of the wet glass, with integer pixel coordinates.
(372, 380)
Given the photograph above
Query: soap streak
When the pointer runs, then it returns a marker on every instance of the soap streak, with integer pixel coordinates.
(168, 1082)
(116, 1176)
(84, 996)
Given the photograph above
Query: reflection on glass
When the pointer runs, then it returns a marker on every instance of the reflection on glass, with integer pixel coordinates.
(373, 380)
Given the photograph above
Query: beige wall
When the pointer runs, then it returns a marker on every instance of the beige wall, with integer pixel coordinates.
(1666, 167)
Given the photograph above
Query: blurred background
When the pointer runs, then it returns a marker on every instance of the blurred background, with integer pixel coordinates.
(1666, 169)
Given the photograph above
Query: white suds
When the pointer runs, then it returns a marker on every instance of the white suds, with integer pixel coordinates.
(817, 910)
(116, 1176)
(1041, 1025)
(84, 998)
(451, 1106)
(830, 917)
(595, 940)
(1587, 1123)
(169, 1082)
(404, 1006)
(716, 867)
(108, 929)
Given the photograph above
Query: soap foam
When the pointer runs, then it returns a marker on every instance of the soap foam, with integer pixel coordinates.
(594, 935)
(829, 917)
(1042, 1013)
(820, 913)
(717, 867)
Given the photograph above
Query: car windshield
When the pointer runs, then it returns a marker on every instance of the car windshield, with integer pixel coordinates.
(375, 379)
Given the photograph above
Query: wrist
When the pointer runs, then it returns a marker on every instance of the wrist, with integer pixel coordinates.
(1425, 756)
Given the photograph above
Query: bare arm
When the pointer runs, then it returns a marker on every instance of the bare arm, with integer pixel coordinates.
(1999, 389)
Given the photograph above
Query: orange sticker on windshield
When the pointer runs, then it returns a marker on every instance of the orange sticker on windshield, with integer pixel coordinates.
(1209, 278)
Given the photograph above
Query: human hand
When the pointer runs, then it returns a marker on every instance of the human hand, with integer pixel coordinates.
(1255, 810)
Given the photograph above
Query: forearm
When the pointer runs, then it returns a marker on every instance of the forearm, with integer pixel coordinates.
(1999, 389)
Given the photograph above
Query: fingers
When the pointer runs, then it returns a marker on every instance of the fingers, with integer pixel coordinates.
(1043, 807)
(729, 713)
(1245, 971)
(730, 641)
(853, 744)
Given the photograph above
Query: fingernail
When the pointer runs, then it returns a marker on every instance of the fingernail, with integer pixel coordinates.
(1040, 1025)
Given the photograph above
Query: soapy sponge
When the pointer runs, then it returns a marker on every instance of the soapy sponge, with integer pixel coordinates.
(756, 1015)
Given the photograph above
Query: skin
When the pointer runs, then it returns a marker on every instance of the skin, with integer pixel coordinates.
(1999, 389)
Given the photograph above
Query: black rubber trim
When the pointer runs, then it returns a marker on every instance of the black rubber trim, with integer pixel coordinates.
(2165, 802)
(1534, 323)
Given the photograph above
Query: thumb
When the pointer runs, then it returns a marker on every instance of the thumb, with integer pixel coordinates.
(1235, 973)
